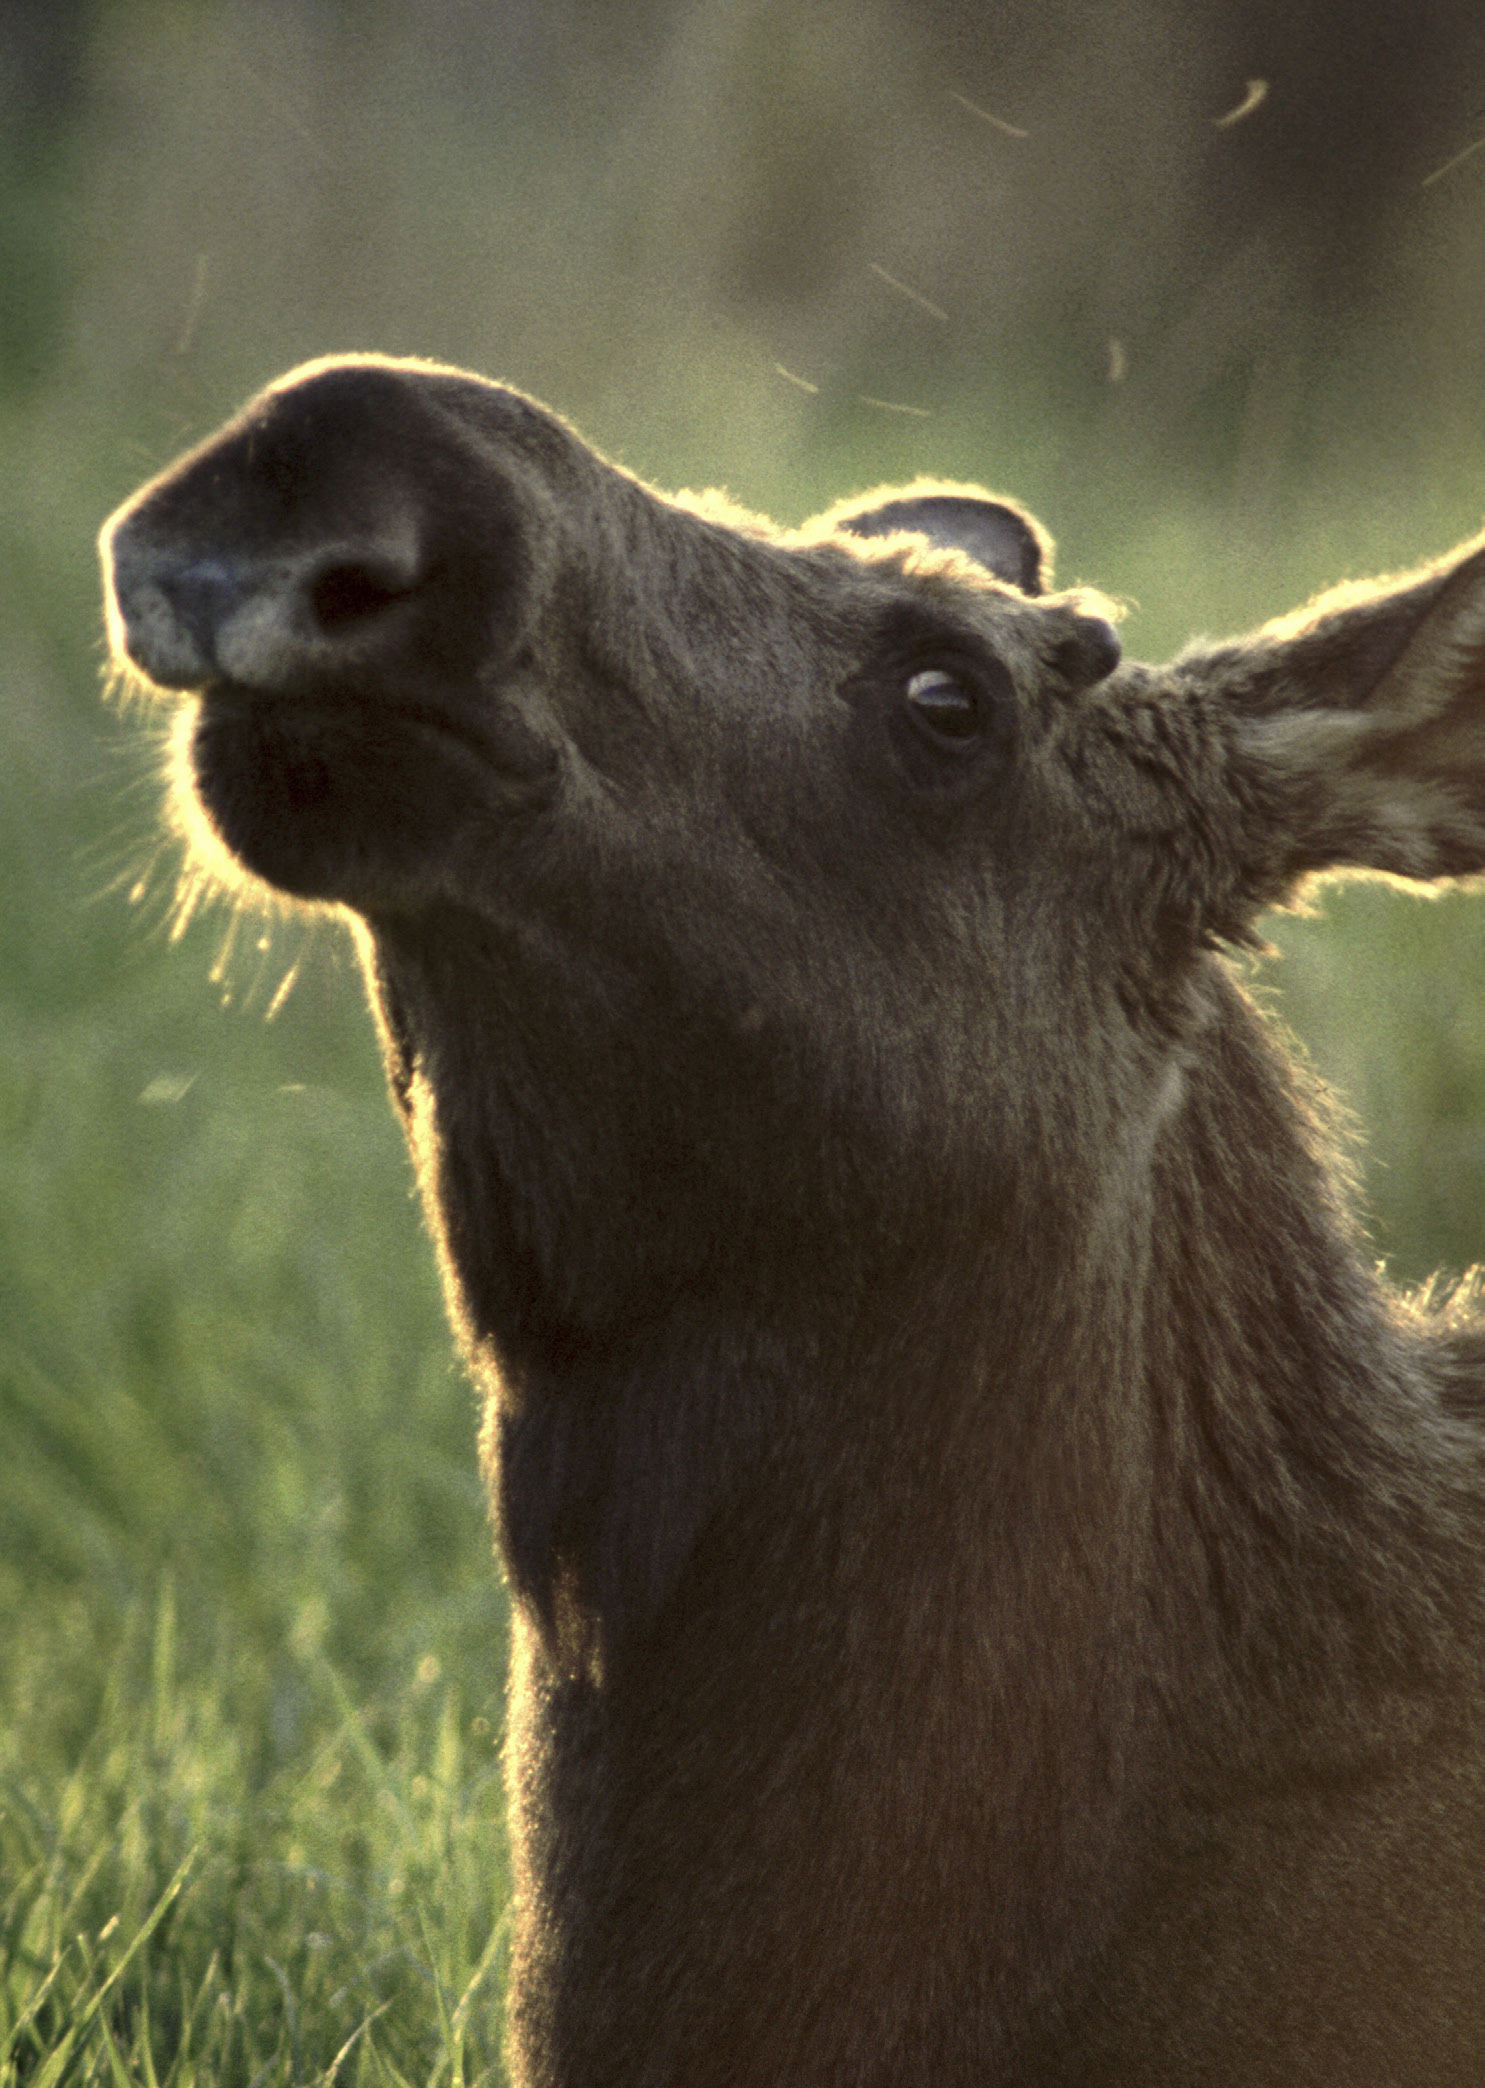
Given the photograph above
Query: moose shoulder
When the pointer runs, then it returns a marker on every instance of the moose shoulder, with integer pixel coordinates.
(997, 1576)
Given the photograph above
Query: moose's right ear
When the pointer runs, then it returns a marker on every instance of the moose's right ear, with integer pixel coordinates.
(996, 534)
(1358, 729)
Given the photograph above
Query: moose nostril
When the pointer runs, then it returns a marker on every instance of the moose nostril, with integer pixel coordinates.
(347, 594)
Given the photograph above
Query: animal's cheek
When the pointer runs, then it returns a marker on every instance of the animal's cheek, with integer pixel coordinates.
(341, 804)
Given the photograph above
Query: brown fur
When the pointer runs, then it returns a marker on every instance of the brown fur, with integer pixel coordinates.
(997, 1578)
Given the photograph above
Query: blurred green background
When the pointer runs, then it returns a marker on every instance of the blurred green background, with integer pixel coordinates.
(248, 1618)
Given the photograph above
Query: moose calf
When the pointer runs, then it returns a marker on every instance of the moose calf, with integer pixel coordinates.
(997, 1575)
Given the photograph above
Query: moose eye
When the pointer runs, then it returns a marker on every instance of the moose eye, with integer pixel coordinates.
(943, 703)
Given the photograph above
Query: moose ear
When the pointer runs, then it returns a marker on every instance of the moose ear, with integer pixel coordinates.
(1359, 729)
(996, 534)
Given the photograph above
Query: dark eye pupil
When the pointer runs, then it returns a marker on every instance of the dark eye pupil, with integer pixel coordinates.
(943, 703)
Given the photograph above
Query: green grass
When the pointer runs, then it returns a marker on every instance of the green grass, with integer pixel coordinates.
(173, 1913)
(250, 1816)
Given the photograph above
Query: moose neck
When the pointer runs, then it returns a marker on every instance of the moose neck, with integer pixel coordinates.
(682, 1297)
(1058, 1507)
(1313, 1495)
(1178, 1376)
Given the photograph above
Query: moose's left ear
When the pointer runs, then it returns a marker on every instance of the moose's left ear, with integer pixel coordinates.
(1358, 729)
(996, 534)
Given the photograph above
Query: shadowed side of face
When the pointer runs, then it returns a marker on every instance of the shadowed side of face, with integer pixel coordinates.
(414, 619)
(433, 650)
(420, 629)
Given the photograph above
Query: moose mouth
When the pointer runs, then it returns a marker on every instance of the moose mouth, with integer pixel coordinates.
(332, 798)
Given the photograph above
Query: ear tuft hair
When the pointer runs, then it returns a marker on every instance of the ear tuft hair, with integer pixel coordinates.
(1359, 729)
